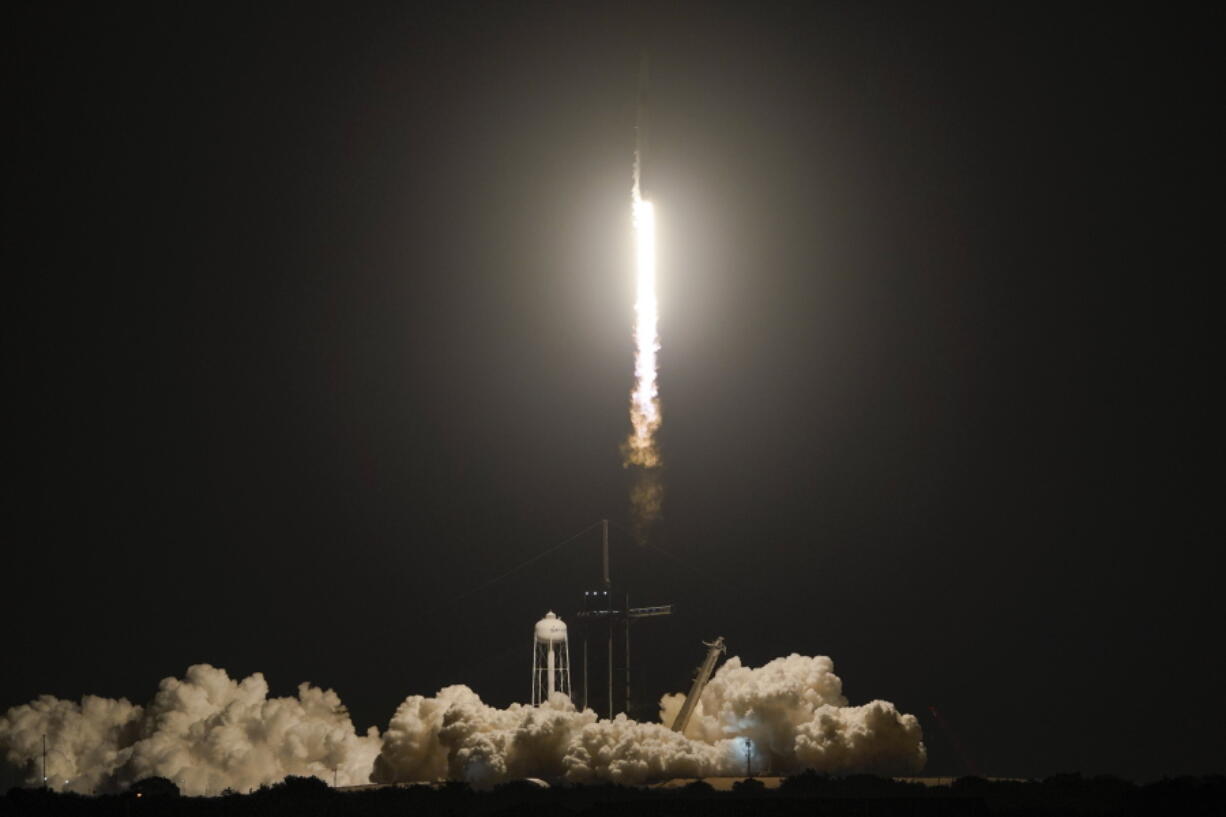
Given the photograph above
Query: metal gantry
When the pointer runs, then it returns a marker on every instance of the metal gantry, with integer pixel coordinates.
(602, 605)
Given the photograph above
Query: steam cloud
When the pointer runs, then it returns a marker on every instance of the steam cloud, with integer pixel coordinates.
(209, 733)
(790, 714)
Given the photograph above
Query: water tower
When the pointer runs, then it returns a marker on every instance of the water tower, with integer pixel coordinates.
(550, 659)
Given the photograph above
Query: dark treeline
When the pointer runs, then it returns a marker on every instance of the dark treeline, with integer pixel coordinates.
(809, 794)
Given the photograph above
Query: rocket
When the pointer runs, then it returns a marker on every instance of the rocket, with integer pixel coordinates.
(640, 126)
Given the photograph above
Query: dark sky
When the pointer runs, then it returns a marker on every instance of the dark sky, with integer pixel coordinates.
(314, 324)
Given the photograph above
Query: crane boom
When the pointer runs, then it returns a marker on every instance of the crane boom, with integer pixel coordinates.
(715, 648)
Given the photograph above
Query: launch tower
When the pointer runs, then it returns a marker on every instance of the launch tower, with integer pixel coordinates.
(606, 617)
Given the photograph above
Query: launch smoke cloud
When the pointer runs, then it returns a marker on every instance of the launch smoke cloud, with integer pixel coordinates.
(789, 715)
(209, 733)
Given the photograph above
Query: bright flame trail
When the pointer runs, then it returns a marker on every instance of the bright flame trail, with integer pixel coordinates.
(644, 399)
(647, 492)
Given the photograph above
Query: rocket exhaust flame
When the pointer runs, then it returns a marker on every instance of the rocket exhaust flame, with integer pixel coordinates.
(640, 449)
(644, 399)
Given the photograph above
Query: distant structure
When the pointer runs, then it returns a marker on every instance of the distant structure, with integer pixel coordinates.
(550, 659)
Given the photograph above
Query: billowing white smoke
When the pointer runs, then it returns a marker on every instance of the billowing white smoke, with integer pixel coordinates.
(207, 733)
(789, 714)
(455, 736)
(793, 713)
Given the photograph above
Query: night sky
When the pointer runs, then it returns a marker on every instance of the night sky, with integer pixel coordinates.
(316, 323)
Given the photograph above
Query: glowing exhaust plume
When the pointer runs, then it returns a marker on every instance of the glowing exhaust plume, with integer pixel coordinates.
(639, 450)
(644, 399)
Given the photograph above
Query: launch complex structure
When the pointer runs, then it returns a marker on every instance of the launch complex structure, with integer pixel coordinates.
(607, 615)
(603, 672)
(605, 620)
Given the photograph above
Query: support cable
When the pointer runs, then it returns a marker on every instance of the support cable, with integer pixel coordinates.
(524, 564)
